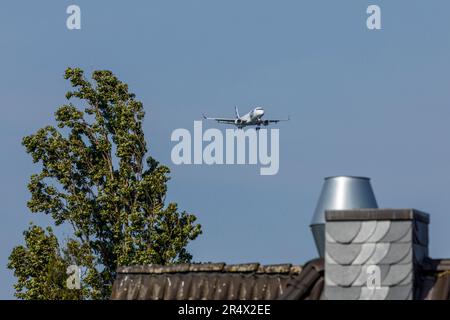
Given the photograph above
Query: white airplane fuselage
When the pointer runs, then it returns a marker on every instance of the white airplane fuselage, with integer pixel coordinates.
(251, 118)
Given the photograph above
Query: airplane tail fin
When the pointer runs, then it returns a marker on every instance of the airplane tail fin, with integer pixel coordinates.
(236, 111)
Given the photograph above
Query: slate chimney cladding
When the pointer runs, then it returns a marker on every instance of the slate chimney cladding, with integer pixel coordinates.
(340, 193)
(374, 254)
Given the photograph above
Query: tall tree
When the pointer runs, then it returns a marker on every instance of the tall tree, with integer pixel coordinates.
(95, 177)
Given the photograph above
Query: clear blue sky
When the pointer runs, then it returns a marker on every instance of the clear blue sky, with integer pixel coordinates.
(371, 103)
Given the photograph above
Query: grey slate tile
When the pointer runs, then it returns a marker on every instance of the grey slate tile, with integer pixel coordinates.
(397, 231)
(343, 231)
(343, 254)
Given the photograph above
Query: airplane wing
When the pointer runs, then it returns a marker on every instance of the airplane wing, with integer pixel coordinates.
(277, 120)
(220, 120)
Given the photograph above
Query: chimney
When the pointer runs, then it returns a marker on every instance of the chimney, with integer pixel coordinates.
(374, 254)
(338, 193)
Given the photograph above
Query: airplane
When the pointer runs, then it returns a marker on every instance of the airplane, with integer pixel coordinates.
(253, 118)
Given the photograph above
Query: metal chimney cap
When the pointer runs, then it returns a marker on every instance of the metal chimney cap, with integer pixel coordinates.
(344, 192)
(340, 193)
(350, 177)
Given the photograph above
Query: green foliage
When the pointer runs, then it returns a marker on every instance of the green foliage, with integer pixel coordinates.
(95, 177)
(39, 267)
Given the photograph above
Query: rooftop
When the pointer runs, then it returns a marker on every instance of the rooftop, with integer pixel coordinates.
(250, 281)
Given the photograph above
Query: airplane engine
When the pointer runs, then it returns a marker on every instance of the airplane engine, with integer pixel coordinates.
(238, 121)
(266, 122)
